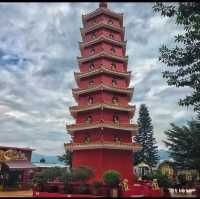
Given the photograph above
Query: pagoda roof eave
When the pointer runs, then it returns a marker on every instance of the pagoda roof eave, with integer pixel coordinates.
(101, 39)
(102, 54)
(99, 11)
(133, 128)
(102, 25)
(101, 87)
(102, 69)
(103, 145)
(75, 109)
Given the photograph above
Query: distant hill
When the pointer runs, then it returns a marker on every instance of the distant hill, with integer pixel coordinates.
(36, 157)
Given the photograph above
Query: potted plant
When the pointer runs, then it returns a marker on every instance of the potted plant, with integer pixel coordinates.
(112, 179)
(96, 186)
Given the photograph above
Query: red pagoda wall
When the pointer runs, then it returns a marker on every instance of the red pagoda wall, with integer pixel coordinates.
(101, 160)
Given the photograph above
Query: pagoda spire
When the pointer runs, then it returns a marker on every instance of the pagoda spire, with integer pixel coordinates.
(103, 4)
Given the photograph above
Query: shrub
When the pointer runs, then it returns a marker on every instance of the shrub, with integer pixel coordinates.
(112, 178)
(84, 189)
(97, 185)
(47, 175)
(163, 180)
(82, 173)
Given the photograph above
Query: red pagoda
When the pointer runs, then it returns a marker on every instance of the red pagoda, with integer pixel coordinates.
(102, 134)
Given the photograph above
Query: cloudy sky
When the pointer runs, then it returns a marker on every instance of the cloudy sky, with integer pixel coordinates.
(38, 50)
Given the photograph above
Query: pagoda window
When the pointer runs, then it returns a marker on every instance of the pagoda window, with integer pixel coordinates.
(117, 140)
(111, 36)
(115, 100)
(91, 66)
(88, 120)
(91, 83)
(90, 100)
(114, 82)
(113, 50)
(92, 51)
(116, 119)
(94, 22)
(93, 36)
(110, 22)
(87, 139)
(113, 66)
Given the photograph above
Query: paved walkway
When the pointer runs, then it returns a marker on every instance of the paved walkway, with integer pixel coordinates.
(16, 193)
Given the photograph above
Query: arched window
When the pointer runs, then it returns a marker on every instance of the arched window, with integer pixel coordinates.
(87, 139)
(92, 51)
(88, 120)
(111, 36)
(116, 119)
(93, 36)
(114, 82)
(117, 139)
(91, 82)
(91, 66)
(113, 50)
(115, 100)
(90, 100)
(110, 21)
(94, 21)
(113, 66)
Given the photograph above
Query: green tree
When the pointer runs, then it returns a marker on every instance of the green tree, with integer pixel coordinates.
(66, 158)
(48, 175)
(183, 143)
(42, 160)
(184, 57)
(112, 178)
(83, 173)
(149, 151)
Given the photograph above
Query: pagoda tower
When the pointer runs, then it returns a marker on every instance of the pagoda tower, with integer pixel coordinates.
(102, 134)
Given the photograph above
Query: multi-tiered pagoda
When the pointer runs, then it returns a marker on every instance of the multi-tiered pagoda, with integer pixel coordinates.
(102, 134)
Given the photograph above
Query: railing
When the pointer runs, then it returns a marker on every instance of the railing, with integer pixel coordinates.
(123, 126)
(103, 144)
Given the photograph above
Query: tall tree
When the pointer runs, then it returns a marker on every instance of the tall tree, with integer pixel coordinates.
(66, 158)
(183, 143)
(184, 57)
(149, 151)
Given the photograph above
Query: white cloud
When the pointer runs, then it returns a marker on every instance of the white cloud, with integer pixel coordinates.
(35, 87)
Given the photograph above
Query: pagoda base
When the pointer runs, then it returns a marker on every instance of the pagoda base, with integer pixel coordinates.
(101, 160)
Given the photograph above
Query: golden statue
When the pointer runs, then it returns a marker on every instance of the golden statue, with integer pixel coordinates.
(124, 185)
(155, 184)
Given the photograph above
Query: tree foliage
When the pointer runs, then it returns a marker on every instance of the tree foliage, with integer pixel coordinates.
(66, 158)
(48, 175)
(183, 143)
(112, 178)
(149, 151)
(82, 173)
(184, 57)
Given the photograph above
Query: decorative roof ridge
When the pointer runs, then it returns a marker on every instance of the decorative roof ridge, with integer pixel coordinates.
(101, 105)
(102, 85)
(99, 25)
(100, 39)
(83, 126)
(119, 107)
(102, 53)
(102, 69)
